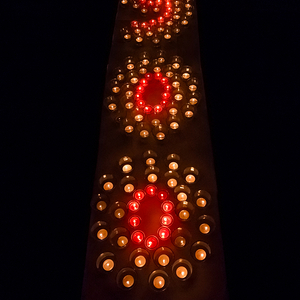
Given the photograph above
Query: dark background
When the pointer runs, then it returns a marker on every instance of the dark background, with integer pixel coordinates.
(52, 77)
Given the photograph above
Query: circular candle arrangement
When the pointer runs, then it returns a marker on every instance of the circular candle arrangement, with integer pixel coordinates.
(153, 97)
(165, 19)
(151, 242)
(152, 222)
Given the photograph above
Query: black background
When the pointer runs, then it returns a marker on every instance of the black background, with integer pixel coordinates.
(55, 56)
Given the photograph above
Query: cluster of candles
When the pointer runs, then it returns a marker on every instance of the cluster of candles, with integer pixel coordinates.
(155, 245)
(153, 97)
(169, 17)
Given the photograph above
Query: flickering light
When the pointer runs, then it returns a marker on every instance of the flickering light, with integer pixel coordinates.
(172, 182)
(128, 281)
(177, 8)
(148, 109)
(163, 260)
(145, 61)
(164, 81)
(173, 165)
(152, 178)
(134, 221)
(164, 233)
(148, 76)
(180, 241)
(130, 66)
(129, 105)
(120, 77)
(140, 261)
(178, 97)
(139, 39)
(144, 133)
(188, 113)
(143, 84)
(134, 80)
(176, 28)
(127, 36)
(108, 265)
(200, 251)
(156, 39)
(151, 190)
(128, 188)
(184, 214)
(116, 89)
(160, 131)
(162, 195)
(166, 220)
(174, 125)
(189, 12)
(129, 94)
(157, 108)
(149, 32)
(101, 205)
(176, 84)
(176, 17)
(124, 160)
(122, 241)
(186, 75)
(184, 21)
(160, 29)
(143, 71)
(193, 101)
(200, 254)
(181, 272)
(190, 178)
(193, 87)
(127, 168)
(204, 228)
(112, 106)
(119, 213)
(169, 74)
(181, 196)
(133, 205)
(129, 129)
(201, 202)
(166, 95)
(151, 242)
(139, 118)
(108, 186)
(150, 161)
(160, 136)
(102, 234)
(159, 282)
(155, 122)
(139, 195)
(137, 237)
(167, 206)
